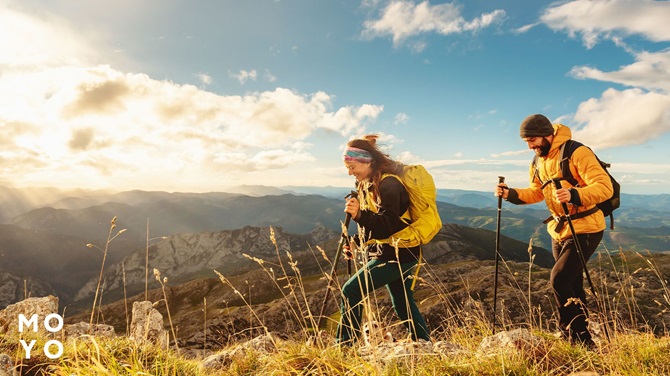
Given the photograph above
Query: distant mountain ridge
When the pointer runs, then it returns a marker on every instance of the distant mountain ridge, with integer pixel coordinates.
(47, 244)
(302, 211)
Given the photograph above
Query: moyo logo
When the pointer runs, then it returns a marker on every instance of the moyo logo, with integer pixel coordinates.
(47, 325)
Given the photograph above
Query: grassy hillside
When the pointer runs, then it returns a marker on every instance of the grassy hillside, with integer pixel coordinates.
(275, 301)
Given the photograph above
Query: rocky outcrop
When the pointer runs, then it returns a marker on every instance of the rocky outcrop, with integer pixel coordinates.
(183, 255)
(14, 288)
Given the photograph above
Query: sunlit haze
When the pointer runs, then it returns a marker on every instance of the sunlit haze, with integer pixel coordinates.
(203, 95)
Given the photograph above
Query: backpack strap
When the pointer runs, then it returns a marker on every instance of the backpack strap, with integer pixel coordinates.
(563, 219)
(567, 149)
(405, 217)
(536, 172)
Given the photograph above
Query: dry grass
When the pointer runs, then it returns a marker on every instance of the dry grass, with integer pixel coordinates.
(636, 348)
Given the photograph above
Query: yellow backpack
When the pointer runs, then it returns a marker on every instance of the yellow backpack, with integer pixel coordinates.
(422, 216)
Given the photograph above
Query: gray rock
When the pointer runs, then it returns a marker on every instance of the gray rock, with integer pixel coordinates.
(9, 317)
(513, 340)
(83, 328)
(147, 324)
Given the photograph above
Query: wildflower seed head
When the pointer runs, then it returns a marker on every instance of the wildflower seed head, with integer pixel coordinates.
(165, 280)
(157, 274)
(272, 236)
(89, 245)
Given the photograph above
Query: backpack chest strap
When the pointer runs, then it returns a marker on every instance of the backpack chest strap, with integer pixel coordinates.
(562, 219)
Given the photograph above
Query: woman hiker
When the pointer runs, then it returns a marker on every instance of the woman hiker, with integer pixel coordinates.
(383, 200)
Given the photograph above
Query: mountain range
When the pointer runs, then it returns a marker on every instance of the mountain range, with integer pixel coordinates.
(53, 241)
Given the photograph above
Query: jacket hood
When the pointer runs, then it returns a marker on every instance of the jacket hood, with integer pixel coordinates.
(561, 135)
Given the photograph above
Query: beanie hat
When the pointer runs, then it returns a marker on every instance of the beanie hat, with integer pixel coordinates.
(536, 126)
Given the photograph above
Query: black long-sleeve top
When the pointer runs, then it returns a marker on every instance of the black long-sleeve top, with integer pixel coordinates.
(394, 202)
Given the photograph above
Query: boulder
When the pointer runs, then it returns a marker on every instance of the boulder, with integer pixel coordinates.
(147, 324)
(9, 317)
(513, 340)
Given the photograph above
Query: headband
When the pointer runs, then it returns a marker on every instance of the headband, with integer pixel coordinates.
(352, 154)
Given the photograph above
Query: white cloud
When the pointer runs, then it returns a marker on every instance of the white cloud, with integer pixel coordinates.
(510, 153)
(63, 123)
(401, 118)
(608, 19)
(261, 161)
(405, 19)
(619, 118)
(348, 120)
(269, 76)
(651, 70)
(525, 28)
(243, 76)
(204, 78)
(408, 157)
(68, 122)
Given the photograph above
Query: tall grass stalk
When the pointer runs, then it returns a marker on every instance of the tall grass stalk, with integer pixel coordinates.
(295, 289)
(289, 285)
(227, 282)
(531, 260)
(163, 282)
(125, 298)
(102, 266)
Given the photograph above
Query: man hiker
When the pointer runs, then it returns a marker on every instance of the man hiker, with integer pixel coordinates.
(588, 221)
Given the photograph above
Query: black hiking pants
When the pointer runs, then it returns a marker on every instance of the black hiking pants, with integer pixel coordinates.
(567, 282)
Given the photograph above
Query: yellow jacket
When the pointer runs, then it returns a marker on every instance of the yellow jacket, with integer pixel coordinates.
(594, 186)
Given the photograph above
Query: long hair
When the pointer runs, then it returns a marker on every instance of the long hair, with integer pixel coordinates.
(381, 163)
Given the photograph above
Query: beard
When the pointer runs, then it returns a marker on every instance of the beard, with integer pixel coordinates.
(543, 149)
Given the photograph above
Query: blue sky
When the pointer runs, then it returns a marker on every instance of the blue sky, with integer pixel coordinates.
(202, 95)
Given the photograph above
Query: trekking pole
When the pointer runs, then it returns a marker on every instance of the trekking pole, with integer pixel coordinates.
(501, 179)
(578, 247)
(343, 239)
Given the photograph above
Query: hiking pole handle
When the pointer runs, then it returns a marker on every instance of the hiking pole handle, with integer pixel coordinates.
(501, 179)
(557, 184)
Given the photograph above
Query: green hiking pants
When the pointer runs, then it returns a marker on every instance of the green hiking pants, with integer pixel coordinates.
(372, 276)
